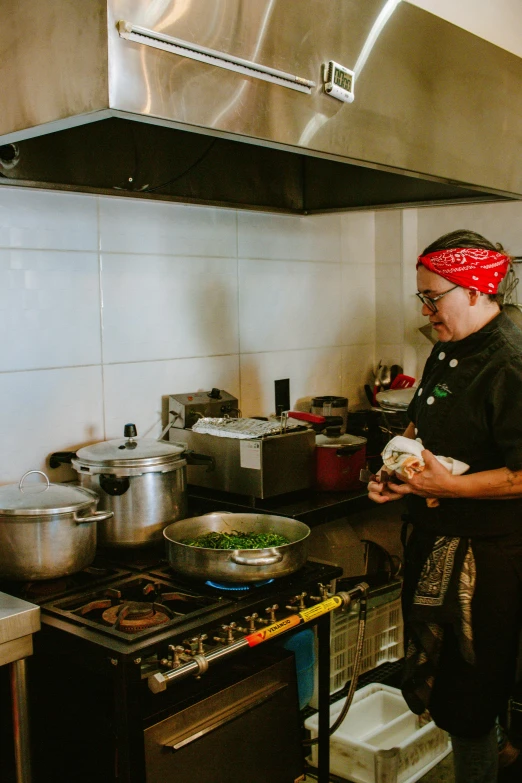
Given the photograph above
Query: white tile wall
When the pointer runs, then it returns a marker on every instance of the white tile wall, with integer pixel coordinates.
(357, 370)
(45, 411)
(49, 309)
(313, 371)
(164, 307)
(358, 237)
(47, 220)
(133, 392)
(358, 304)
(262, 235)
(389, 311)
(106, 304)
(144, 227)
(289, 304)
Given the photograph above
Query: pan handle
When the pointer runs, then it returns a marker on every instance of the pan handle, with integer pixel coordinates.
(257, 561)
(98, 516)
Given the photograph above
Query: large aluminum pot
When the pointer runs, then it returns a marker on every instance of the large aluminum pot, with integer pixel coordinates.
(237, 565)
(141, 480)
(46, 531)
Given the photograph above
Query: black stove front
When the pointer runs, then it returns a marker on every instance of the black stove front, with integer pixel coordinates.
(95, 718)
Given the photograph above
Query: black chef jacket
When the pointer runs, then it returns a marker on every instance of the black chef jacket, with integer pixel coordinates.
(469, 406)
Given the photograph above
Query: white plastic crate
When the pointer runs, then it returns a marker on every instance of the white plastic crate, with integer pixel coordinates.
(380, 740)
(383, 642)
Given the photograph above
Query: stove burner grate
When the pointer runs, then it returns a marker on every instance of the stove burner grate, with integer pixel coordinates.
(243, 588)
(132, 616)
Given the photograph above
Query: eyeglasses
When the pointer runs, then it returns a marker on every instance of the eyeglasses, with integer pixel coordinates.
(429, 301)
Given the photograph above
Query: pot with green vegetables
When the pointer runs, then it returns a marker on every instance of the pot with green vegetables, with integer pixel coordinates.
(238, 548)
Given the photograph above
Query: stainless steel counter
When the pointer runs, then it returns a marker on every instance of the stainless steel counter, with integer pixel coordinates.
(18, 621)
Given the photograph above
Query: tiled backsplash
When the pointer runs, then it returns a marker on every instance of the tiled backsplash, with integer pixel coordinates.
(106, 304)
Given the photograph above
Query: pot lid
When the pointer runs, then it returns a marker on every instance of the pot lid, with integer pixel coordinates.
(332, 401)
(340, 440)
(130, 451)
(396, 399)
(43, 499)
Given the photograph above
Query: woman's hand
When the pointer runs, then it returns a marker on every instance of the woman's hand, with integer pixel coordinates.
(380, 492)
(435, 481)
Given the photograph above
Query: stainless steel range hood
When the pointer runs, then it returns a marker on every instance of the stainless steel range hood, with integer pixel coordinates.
(223, 102)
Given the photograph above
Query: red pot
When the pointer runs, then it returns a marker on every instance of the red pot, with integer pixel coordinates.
(338, 462)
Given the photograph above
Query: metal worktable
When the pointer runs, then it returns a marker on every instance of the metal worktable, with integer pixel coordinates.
(18, 621)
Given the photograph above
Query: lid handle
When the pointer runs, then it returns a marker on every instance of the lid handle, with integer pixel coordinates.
(130, 431)
(29, 473)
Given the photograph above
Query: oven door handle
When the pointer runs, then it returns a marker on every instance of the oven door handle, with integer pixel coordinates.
(225, 716)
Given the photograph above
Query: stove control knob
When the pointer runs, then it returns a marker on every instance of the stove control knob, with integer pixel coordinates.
(325, 594)
(196, 644)
(299, 601)
(176, 651)
(229, 630)
(251, 620)
(270, 611)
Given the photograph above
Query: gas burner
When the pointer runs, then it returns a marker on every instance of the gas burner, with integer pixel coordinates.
(133, 607)
(39, 591)
(229, 586)
(132, 616)
(44, 590)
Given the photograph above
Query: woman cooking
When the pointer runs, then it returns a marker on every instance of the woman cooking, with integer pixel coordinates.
(463, 558)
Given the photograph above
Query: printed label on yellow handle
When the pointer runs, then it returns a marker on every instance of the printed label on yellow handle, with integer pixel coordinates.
(323, 608)
(273, 630)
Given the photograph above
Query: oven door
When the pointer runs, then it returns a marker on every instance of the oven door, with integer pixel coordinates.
(250, 730)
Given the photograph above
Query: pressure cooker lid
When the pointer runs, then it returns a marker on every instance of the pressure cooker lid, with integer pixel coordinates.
(130, 451)
(41, 499)
(395, 399)
(330, 400)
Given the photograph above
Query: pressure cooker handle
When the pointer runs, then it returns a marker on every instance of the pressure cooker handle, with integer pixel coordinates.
(257, 561)
(311, 418)
(98, 516)
(114, 485)
(351, 448)
(61, 458)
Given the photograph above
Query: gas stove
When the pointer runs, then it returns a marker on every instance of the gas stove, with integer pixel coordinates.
(110, 630)
(129, 611)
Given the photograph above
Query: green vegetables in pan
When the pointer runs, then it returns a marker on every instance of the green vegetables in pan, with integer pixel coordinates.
(237, 540)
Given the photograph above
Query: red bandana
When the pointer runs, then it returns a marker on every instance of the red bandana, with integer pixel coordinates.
(469, 267)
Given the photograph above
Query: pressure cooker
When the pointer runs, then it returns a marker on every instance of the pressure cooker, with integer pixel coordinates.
(141, 480)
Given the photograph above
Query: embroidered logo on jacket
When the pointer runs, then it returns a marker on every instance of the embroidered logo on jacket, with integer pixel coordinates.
(441, 391)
